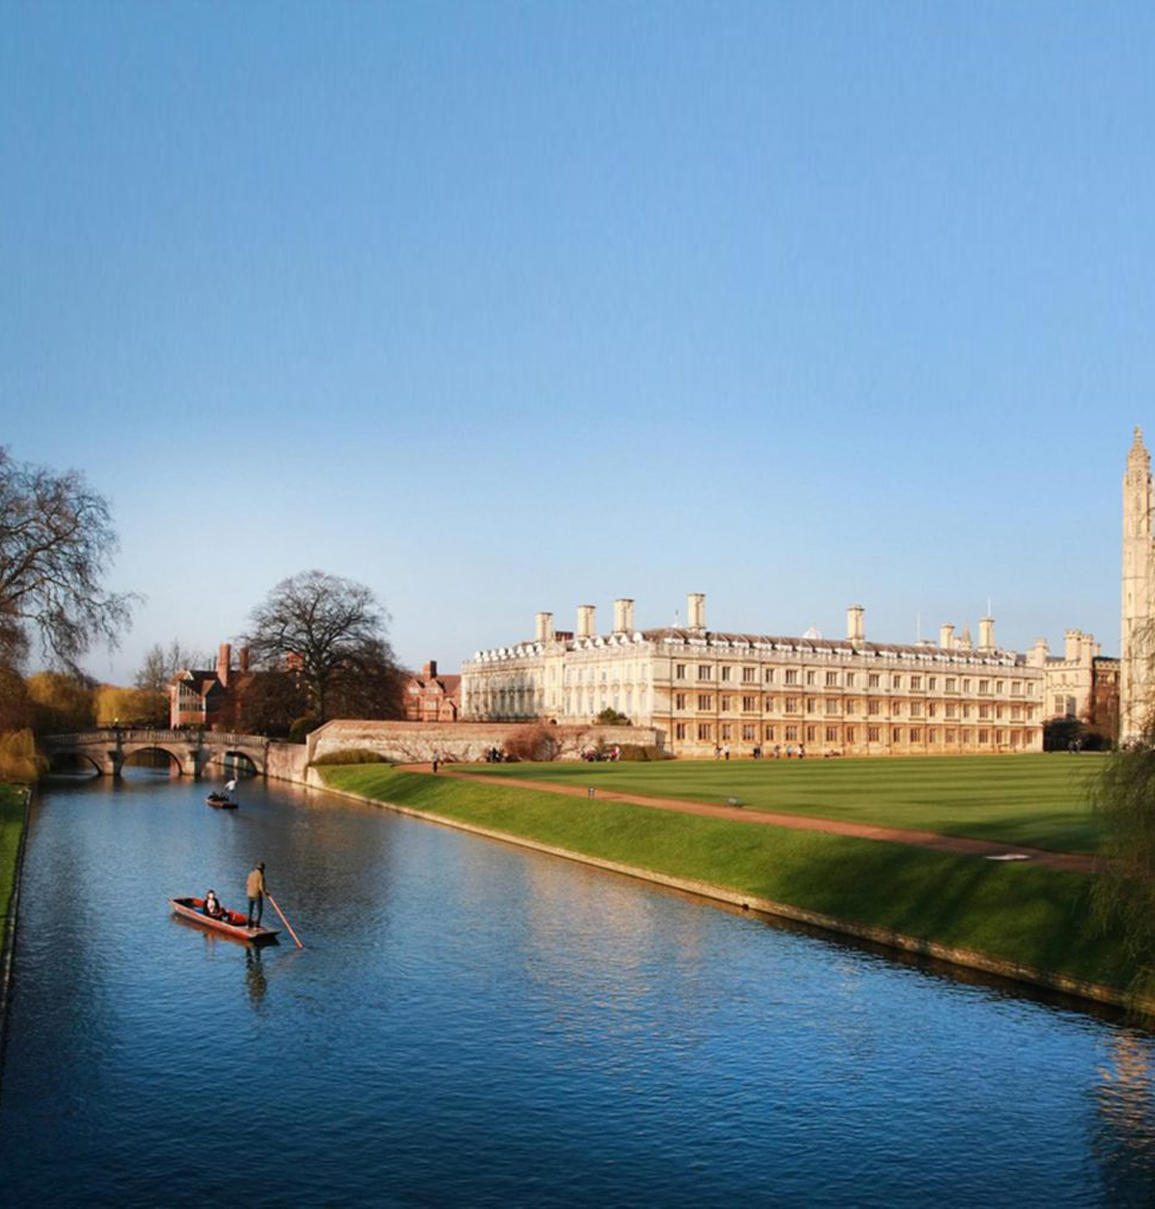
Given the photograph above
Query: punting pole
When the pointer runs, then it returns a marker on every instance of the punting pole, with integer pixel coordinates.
(284, 920)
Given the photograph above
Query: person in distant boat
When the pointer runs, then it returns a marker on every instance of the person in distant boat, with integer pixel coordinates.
(256, 889)
(213, 908)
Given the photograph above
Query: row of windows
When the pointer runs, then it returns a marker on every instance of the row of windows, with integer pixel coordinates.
(728, 732)
(833, 679)
(837, 705)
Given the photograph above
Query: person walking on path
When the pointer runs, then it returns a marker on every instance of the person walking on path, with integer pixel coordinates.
(256, 888)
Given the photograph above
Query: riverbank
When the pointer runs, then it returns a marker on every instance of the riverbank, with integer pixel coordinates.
(12, 815)
(13, 822)
(1009, 918)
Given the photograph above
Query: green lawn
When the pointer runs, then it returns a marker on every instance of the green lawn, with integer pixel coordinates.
(11, 826)
(1027, 914)
(1035, 800)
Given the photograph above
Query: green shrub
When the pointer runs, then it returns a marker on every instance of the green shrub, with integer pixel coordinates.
(611, 717)
(351, 755)
(643, 753)
(302, 728)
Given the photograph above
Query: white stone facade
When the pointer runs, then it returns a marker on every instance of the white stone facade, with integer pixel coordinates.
(706, 691)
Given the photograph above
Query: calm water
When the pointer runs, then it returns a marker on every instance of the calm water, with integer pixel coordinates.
(474, 1025)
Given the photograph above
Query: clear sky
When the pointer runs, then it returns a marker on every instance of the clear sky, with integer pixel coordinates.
(500, 307)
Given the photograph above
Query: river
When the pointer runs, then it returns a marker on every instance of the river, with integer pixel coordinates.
(474, 1024)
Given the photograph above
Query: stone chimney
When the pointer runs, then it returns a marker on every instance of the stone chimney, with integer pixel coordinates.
(623, 615)
(429, 670)
(1073, 645)
(243, 660)
(587, 621)
(1037, 657)
(946, 636)
(224, 663)
(696, 611)
(543, 627)
(856, 623)
(986, 633)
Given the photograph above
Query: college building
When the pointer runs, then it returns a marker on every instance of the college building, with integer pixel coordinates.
(1138, 582)
(704, 690)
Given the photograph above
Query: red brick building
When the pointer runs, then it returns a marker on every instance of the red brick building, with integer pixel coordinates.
(207, 698)
(431, 698)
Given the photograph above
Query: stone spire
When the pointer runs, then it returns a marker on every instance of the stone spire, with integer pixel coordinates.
(1138, 582)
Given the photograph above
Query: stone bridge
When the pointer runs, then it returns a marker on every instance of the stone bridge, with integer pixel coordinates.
(192, 751)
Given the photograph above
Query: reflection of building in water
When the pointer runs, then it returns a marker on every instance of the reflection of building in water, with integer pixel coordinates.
(1125, 1143)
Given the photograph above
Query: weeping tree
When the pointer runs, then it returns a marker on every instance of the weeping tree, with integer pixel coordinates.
(1123, 802)
(328, 633)
(1123, 893)
(56, 547)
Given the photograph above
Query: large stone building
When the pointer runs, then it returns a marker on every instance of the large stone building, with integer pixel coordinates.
(705, 689)
(1138, 599)
(1081, 685)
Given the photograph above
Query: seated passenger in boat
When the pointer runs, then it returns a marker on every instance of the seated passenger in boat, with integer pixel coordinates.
(213, 908)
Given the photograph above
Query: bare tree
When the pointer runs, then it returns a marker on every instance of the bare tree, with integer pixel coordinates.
(330, 632)
(161, 664)
(56, 545)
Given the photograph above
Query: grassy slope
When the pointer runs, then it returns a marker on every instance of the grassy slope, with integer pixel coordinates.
(1026, 914)
(11, 825)
(1035, 800)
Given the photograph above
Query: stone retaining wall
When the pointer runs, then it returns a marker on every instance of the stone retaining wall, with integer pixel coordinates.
(288, 762)
(420, 742)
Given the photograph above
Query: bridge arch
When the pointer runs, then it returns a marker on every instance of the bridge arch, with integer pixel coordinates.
(66, 763)
(244, 762)
(174, 761)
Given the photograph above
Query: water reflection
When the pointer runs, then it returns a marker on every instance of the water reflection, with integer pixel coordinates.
(255, 979)
(1125, 1140)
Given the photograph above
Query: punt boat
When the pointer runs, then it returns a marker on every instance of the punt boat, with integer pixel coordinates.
(232, 923)
(221, 801)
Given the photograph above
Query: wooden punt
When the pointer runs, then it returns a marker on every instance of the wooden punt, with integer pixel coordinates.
(232, 923)
(221, 802)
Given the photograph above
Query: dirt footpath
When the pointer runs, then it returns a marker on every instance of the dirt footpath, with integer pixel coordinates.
(1070, 862)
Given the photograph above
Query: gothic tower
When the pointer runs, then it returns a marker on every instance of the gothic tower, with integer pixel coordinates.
(1138, 584)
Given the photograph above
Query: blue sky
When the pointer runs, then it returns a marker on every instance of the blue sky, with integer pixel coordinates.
(506, 307)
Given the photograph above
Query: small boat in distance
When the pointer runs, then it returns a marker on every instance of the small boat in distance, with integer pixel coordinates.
(231, 923)
(225, 800)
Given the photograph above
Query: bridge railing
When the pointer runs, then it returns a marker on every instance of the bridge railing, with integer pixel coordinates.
(210, 738)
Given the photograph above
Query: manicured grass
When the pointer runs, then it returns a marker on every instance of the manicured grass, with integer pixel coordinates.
(1036, 800)
(1026, 914)
(11, 827)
